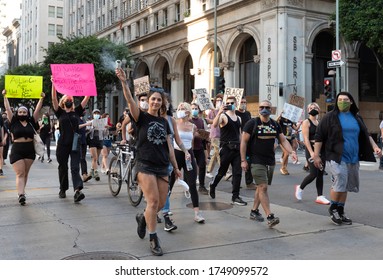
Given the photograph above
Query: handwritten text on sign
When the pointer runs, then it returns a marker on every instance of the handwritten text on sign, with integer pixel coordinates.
(74, 79)
(203, 99)
(236, 92)
(23, 86)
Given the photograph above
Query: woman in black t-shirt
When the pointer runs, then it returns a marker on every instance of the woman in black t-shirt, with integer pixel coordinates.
(69, 118)
(22, 127)
(154, 150)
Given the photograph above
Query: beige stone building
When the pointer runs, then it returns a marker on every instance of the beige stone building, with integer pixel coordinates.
(271, 48)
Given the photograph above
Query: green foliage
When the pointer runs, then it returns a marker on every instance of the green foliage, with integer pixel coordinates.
(362, 20)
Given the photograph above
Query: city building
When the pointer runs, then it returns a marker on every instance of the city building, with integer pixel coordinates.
(10, 12)
(41, 24)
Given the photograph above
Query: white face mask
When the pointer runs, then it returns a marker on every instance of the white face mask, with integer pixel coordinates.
(181, 114)
(144, 105)
(218, 104)
(96, 116)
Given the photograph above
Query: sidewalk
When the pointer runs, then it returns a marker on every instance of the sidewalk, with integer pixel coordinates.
(49, 228)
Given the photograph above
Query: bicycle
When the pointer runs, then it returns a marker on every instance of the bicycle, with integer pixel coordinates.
(121, 170)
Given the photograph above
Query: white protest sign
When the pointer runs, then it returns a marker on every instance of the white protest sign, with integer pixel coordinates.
(203, 99)
(236, 92)
(291, 112)
(100, 124)
(141, 85)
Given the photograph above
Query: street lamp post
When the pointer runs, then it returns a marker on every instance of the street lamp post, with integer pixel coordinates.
(215, 47)
(337, 76)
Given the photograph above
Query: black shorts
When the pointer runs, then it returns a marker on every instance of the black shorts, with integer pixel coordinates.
(95, 143)
(22, 151)
(157, 171)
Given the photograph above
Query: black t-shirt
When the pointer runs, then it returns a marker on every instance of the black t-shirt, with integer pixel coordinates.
(46, 130)
(286, 126)
(262, 143)
(245, 117)
(18, 130)
(68, 123)
(152, 145)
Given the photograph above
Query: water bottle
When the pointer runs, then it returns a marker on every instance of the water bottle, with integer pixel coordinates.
(189, 165)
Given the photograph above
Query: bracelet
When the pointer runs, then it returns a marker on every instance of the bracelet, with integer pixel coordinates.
(243, 160)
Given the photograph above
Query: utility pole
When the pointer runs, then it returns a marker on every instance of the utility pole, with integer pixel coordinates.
(215, 48)
(337, 76)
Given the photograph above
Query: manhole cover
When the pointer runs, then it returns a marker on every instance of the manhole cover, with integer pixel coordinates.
(212, 206)
(101, 256)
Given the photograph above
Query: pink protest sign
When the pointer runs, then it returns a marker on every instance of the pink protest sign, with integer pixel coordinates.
(74, 79)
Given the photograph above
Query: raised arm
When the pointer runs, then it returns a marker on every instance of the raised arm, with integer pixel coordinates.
(55, 102)
(133, 107)
(7, 106)
(84, 102)
(38, 107)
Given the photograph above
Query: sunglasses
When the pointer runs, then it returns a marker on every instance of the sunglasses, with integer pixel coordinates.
(230, 103)
(264, 107)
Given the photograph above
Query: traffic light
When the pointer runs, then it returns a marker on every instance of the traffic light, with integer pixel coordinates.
(220, 84)
(328, 84)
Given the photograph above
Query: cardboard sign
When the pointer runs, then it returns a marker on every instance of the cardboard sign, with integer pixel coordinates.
(203, 99)
(236, 92)
(297, 101)
(141, 85)
(100, 124)
(74, 79)
(292, 112)
(28, 87)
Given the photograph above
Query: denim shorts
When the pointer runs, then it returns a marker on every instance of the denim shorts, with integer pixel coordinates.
(150, 169)
(344, 176)
(262, 174)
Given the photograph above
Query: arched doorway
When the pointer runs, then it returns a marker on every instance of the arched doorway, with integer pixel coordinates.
(323, 44)
(249, 70)
(188, 79)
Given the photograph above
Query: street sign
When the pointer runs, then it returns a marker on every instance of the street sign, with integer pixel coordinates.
(217, 71)
(336, 55)
(335, 64)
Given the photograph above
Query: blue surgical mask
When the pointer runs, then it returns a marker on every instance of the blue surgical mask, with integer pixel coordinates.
(195, 113)
(96, 116)
(265, 112)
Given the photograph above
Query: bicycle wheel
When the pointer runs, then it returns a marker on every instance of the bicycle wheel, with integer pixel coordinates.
(114, 176)
(134, 191)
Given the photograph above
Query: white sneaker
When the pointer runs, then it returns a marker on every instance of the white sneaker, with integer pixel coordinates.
(298, 192)
(297, 162)
(322, 200)
(209, 175)
(198, 218)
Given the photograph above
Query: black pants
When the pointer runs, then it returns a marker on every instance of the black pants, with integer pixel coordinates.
(233, 158)
(190, 176)
(315, 173)
(201, 163)
(84, 166)
(62, 154)
(47, 142)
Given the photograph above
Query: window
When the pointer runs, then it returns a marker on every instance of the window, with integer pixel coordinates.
(145, 21)
(59, 30)
(60, 12)
(203, 2)
(165, 22)
(51, 30)
(248, 69)
(51, 11)
(178, 12)
(156, 21)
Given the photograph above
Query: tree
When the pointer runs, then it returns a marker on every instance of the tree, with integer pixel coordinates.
(361, 20)
(90, 49)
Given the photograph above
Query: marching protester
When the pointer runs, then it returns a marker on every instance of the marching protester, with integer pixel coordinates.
(106, 145)
(22, 128)
(259, 136)
(230, 129)
(95, 142)
(308, 130)
(154, 150)
(46, 134)
(7, 137)
(344, 139)
(68, 144)
(83, 149)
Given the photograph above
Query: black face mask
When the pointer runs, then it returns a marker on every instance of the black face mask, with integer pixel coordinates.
(313, 112)
(68, 104)
(22, 118)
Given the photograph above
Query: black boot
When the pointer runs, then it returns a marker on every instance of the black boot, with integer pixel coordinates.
(155, 246)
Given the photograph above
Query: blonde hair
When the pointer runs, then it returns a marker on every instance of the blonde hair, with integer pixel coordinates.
(313, 104)
(186, 107)
(62, 101)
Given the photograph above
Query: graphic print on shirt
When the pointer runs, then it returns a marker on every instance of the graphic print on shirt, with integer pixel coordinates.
(266, 131)
(156, 133)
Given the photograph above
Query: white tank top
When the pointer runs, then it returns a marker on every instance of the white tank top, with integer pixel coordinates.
(187, 139)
